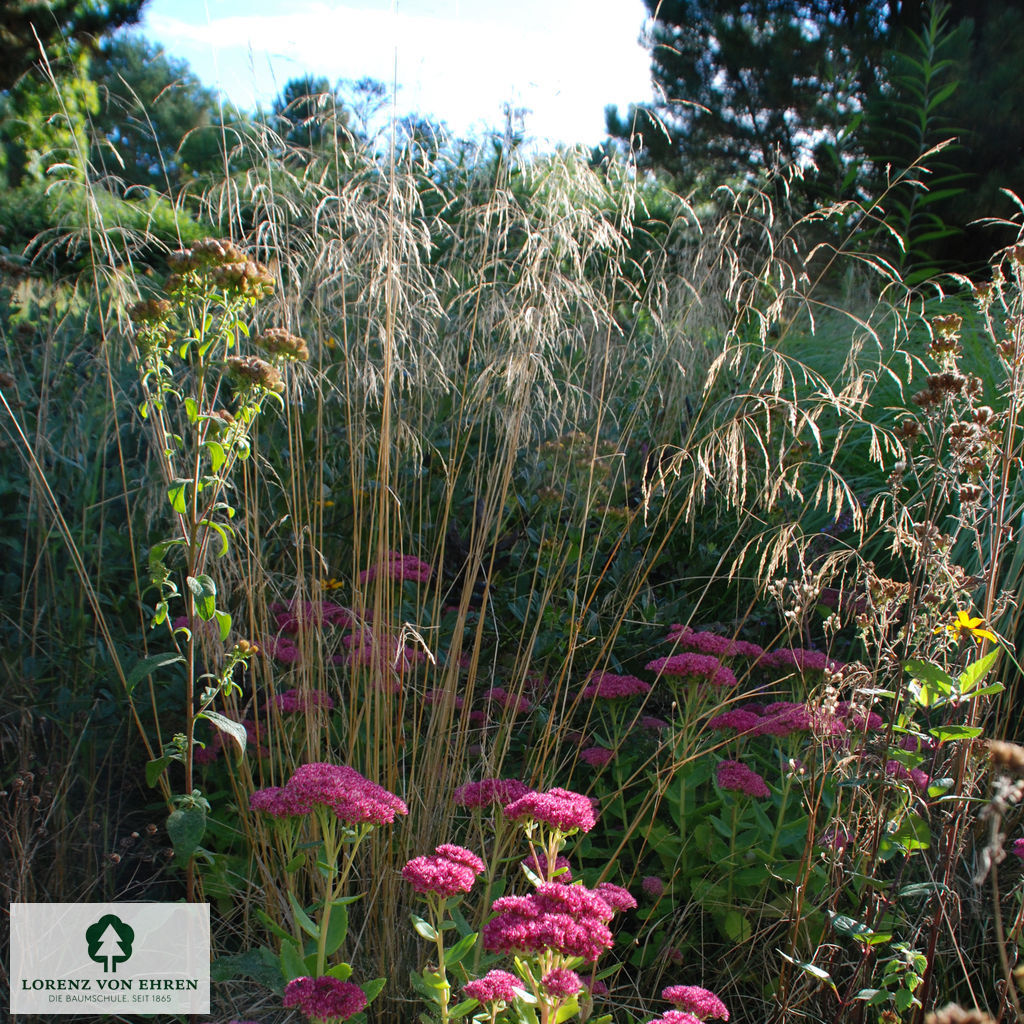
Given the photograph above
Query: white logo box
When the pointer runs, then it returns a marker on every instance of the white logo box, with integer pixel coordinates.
(121, 958)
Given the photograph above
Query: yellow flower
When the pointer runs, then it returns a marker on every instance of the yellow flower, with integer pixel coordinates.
(967, 625)
(331, 584)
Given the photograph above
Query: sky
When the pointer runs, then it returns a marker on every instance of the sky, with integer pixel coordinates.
(459, 61)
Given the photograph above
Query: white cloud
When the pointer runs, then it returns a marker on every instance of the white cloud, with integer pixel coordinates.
(564, 59)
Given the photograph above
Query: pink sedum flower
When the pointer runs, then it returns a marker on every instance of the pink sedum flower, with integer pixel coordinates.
(559, 808)
(354, 799)
(739, 719)
(652, 724)
(616, 897)
(712, 643)
(281, 649)
(292, 701)
(736, 776)
(694, 667)
(516, 703)
(324, 999)
(652, 886)
(568, 918)
(273, 800)
(561, 983)
(399, 567)
(608, 686)
(493, 987)
(490, 791)
(676, 1017)
(696, 1000)
(596, 757)
(449, 871)
(800, 659)
(1017, 848)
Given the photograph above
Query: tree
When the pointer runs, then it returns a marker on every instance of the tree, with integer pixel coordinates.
(28, 27)
(156, 124)
(309, 114)
(745, 85)
(748, 84)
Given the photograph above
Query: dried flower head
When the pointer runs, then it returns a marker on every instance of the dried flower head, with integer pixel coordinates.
(1006, 755)
(953, 1014)
(279, 342)
(253, 372)
(150, 311)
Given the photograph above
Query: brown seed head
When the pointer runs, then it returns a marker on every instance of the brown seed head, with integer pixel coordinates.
(954, 1014)
(278, 342)
(1006, 755)
(256, 372)
(150, 311)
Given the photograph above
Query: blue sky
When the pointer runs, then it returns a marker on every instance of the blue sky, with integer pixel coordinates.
(457, 60)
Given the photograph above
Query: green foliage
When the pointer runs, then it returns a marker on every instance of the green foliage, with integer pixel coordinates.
(32, 29)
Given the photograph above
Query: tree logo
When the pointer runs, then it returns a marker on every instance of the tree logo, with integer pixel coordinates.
(110, 942)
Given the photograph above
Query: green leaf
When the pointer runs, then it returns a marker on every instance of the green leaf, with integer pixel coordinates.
(977, 670)
(987, 691)
(372, 989)
(204, 591)
(258, 964)
(226, 725)
(217, 455)
(736, 927)
(147, 666)
(423, 928)
(943, 733)
(812, 970)
(567, 1011)
(903, 998)
(459, 950)
(155, 768)
(851, 928)
(933, 681)
(191, 409)
(294, 864)
(292, 964)
(912, 834)
(337, 927)
(923, 889)
(459, 1010)
(223, 624)
(302, 919)
(272, 926)
(222, 531)
(340, 971)
(186, 827)
(176, 496)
